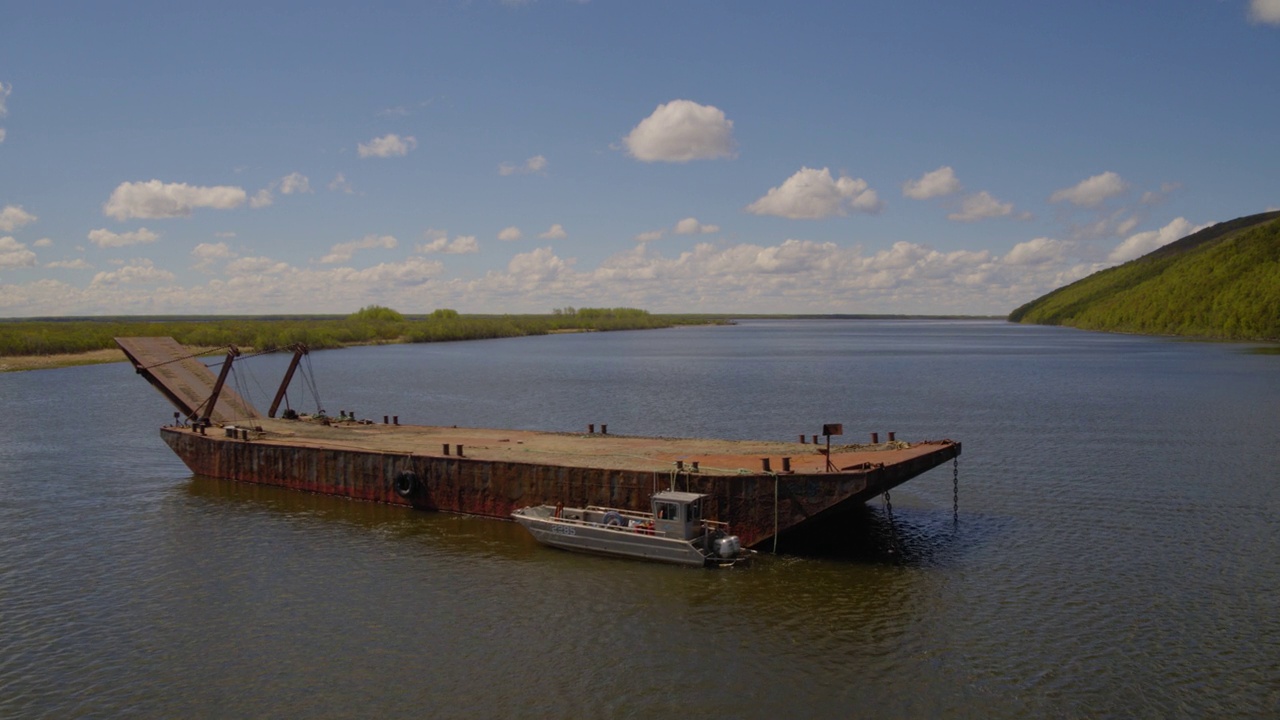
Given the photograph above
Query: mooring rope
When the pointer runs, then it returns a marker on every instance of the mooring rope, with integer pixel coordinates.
(775, 512)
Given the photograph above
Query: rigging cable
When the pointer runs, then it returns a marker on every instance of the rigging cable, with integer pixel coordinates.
(193, 356)
(308, 374)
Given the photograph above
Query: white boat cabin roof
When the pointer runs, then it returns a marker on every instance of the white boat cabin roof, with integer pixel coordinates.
(676, 496)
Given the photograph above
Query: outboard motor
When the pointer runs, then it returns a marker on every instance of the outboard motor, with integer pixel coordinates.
(728, 546)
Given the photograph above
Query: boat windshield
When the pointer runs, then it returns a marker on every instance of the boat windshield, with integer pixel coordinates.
(667, 511)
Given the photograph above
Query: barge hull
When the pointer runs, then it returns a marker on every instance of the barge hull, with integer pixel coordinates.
(757, 505)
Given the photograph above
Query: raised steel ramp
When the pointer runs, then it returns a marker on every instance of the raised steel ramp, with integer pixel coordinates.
(182, 378)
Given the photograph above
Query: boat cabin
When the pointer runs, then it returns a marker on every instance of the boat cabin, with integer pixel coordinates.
(678, 514)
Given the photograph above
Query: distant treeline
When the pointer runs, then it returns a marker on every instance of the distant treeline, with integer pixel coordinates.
(1222, 282)
(370, 325)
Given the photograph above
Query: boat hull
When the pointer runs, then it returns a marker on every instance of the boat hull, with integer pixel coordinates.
(613, 541)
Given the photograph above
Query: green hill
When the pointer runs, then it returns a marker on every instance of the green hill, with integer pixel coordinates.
(1222, 282)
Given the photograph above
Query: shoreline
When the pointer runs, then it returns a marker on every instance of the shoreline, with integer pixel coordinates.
(21, 363)
(24, 363)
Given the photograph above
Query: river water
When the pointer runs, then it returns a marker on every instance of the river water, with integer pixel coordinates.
(1117, 550)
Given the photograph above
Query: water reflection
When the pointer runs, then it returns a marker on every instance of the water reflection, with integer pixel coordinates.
(1117, 549)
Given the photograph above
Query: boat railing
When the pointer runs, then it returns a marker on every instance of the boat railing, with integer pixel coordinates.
(624, 513)
(628, 527)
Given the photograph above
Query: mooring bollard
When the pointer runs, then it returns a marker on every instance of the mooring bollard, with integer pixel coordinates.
(764, 464)
(446, 448)
(591, 429)
(892, 436)
(459, 449)
(875, 438)
(604, 429)
(786, 464)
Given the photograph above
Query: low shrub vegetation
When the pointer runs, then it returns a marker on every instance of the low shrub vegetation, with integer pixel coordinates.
(369, 325)
(1222, 282)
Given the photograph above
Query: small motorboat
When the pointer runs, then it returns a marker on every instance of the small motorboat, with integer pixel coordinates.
(674, 532)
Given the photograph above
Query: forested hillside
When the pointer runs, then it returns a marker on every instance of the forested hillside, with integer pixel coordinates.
(1222, 282)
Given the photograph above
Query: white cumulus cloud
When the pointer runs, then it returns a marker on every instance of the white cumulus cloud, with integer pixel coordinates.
(437, 241)
(77, 264)
(794, 275)
(1037, 251)
(43, 242)
(555, 232)
(1156, 197)
(691, 226)
(135, 272)
(981, 206)
(261, 199)
(4, 108)
(510, 234)
(211, 251)
(937, 183)
(649, 236)
(342, 252)
(295, 182)
(104, 238)
(1265, 11)
(206, 254)
(537, 266)
(1093, 191)
(256, 266)
(14, 217)
(340, 184)
(680, 131)
(390, 145)
(14, 254)
(535, 164)
(1135, 246)
(409, 273)
(154, 199)
(813, 194)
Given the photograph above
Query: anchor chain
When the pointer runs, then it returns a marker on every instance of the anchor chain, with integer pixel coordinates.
(955, 491)
(893, 527)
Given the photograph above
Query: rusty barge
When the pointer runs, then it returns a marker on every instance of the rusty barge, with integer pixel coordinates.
(763, 489)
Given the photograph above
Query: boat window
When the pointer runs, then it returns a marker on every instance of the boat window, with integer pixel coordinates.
(668, 511)
(695, 512)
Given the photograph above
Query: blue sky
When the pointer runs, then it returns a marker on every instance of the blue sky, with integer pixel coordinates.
(737, 156)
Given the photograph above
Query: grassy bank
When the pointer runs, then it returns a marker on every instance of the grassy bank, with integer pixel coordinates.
(1220, 283)
(59, 342)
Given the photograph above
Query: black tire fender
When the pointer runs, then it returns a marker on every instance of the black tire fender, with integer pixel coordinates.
(406, 483)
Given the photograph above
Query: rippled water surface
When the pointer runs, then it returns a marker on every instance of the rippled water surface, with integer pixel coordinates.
(1117, 551)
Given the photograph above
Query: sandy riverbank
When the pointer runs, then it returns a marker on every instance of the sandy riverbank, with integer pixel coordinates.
(14, 363)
